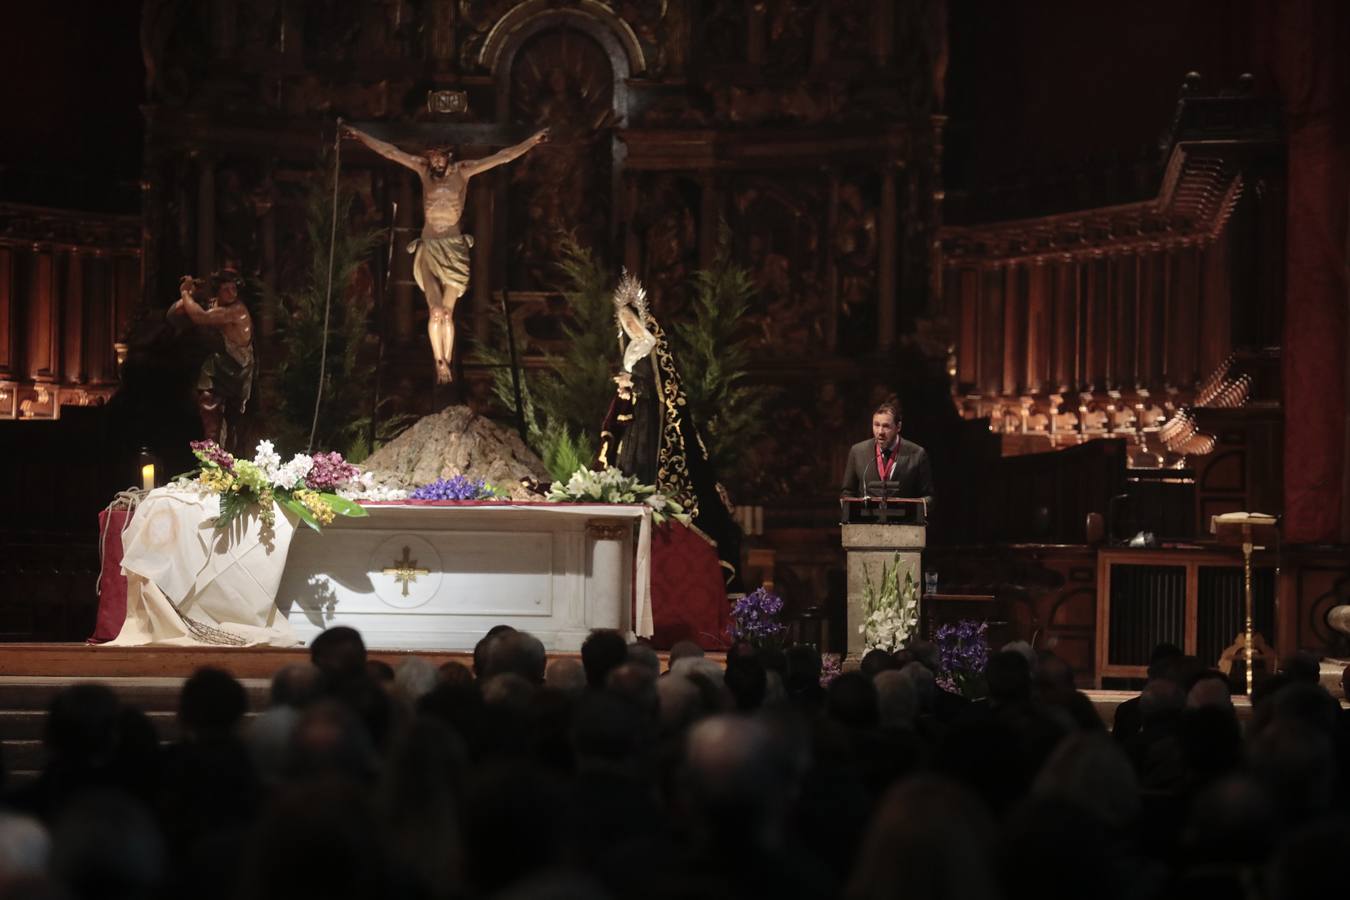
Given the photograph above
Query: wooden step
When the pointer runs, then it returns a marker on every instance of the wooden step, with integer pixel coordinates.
(36, 692)
(91, 660)
(31, 725)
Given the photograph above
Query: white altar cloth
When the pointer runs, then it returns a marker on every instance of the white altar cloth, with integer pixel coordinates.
(553, 569)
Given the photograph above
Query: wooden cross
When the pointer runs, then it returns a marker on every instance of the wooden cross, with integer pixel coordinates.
(405, 570)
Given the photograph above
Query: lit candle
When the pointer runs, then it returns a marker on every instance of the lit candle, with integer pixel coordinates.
(148, 476)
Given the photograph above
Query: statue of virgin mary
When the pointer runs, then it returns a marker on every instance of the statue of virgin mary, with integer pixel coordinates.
(649, 431)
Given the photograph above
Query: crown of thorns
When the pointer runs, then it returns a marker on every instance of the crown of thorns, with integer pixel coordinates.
(631, 293)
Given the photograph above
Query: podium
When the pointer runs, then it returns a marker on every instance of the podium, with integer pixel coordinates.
(1246, 529)
(878, 532)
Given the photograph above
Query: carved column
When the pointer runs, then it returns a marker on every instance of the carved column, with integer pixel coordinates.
(43, 318)
(887, 299)
(99, 359)
(9, 307)
(403, 285)
(73, 321)
(206, 215)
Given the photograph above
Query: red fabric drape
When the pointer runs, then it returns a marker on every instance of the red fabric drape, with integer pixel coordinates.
(1307, 46)
(112, 584)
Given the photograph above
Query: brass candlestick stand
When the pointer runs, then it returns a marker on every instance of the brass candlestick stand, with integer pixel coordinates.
(1246, 529)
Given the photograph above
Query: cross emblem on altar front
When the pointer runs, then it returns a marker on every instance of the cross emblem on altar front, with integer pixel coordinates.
(405, 570)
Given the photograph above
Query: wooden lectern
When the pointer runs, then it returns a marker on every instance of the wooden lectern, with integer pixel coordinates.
(1246, 529)
(877, 533)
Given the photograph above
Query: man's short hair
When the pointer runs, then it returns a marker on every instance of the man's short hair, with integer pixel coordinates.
(889, 408)
(603, 651)
(339, 652)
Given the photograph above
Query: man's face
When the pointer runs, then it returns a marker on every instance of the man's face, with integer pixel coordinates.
(439, 161)
(884, 429)
(227, 294)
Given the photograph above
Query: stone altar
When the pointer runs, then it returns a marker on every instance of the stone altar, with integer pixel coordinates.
(424, 577)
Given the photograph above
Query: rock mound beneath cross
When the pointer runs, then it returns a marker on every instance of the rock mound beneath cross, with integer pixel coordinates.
(457, 441)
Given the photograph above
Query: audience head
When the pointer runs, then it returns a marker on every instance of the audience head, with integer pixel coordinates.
(1210, 690)
(897, 699)
(25, 848)
(454, 673)
(748, 682)
(566, 675)
(930, 839)
(876, 661)
(1027, 651)
(682, 649)
(81, 726)
(1053, 674)
(380, 672)
(1162, 654)
(851, 700)
(1303, 668)
(1009, 677)
(480, 649)
(297, 685)
(736, 782)
(105, 844)
(1091, 770)
(925, 684)
(211, 704)
(642, 653)
(636, 684)
(414, 679)
(679, 703)
(339, 653)
(803, 669)
(603, 651)
(927, 653)
(514, 652)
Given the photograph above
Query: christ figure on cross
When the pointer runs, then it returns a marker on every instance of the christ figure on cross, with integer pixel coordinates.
(441, 254)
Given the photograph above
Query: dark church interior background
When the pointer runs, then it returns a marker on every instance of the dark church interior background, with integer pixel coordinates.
(1104, 290)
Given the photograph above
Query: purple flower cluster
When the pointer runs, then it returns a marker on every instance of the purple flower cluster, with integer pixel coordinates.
(457, 487)
(754, 618)
(211, 452)
(831, 667)
(329, 471)
(963, 651)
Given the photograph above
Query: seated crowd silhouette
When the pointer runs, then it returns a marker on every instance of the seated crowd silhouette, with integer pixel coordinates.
(615, 776)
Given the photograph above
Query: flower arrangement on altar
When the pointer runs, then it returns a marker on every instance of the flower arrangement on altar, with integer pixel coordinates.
(456, 487)
(305, 485)
(963, 654)
(754, 619)
(892, 609)
(609, 485)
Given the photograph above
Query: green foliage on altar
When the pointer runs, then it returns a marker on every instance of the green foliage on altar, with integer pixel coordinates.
(565, 401)
(714, 359)
(348, 374)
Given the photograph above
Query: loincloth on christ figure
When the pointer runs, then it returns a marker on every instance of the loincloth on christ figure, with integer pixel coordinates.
(448, 259)
(228, 378)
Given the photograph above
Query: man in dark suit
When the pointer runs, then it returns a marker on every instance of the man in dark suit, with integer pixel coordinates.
(903, 465)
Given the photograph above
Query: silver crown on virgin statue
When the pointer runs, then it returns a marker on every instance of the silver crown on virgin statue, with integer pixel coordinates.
(631, 293)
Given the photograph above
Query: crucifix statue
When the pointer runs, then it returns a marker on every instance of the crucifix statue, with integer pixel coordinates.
(441, 254)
